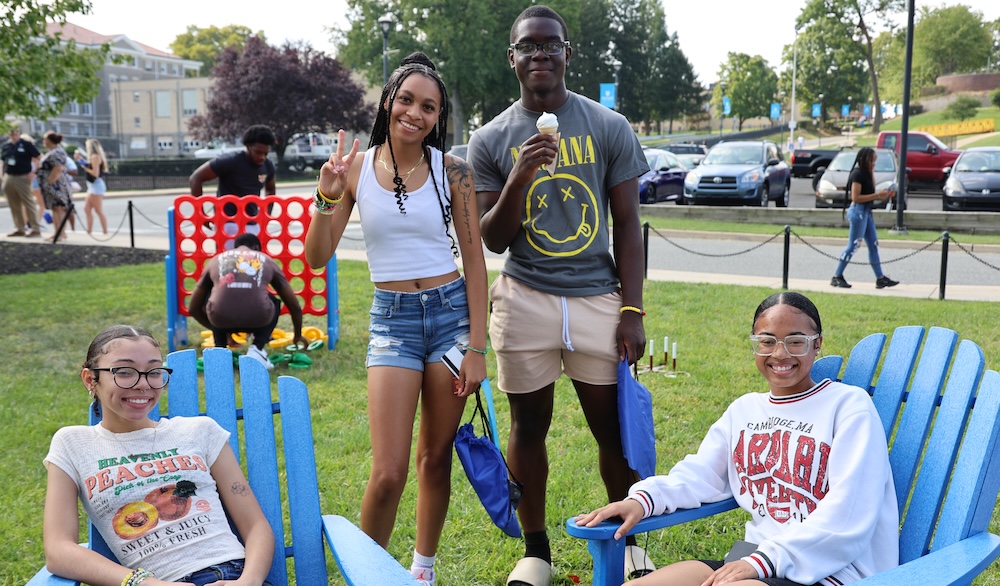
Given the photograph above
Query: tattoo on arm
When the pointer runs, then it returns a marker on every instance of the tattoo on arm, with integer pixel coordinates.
(460, 177)
(240, 489)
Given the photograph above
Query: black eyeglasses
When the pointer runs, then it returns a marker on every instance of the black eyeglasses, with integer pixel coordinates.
(127, 377)
(526, 49)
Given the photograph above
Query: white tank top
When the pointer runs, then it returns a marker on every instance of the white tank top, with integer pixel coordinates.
(411, 246)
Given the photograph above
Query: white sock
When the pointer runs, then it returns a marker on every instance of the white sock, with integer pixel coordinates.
(423, 567)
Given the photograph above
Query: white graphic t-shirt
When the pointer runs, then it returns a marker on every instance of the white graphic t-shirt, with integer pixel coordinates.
(151, 494)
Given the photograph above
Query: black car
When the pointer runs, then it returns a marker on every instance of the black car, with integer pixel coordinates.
(974, 181)
(665, 179)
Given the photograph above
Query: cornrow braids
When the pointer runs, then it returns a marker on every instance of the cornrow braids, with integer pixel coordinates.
(415, 63)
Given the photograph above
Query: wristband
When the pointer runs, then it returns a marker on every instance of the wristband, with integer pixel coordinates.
(632, 308)
(477, 350)
(136, 577)
(327, 199)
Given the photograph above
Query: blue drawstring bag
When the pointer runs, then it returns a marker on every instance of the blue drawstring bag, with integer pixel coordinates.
(635, 418)
(496, 488)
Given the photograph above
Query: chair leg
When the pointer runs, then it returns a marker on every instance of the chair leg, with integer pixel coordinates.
(609, 561)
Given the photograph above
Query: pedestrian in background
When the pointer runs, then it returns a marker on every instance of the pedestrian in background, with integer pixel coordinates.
(19, 157)
(95, 164)
(861, 192)
(241, 173)
(53, 180)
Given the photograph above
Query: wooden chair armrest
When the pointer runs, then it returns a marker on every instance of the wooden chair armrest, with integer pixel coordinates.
(362, 562)
(956, 564)
(609, 555)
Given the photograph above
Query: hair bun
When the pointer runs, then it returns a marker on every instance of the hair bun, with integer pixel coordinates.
(418, 58)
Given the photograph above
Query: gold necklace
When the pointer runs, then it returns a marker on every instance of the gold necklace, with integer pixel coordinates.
(410, 172)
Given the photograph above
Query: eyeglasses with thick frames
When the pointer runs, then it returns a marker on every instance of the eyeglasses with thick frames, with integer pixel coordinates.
(127, 377)
(527, 49)
(796, 345)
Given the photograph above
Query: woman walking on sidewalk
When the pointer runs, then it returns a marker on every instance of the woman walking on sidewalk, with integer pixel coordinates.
(861, 189)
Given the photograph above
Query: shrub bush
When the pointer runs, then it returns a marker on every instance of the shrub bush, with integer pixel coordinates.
(995, 97)
(963, 108)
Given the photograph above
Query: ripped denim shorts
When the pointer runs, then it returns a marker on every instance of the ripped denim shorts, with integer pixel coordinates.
(408, 330)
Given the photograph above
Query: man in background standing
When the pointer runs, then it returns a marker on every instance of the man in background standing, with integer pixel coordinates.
(240, 173)
(18, 156)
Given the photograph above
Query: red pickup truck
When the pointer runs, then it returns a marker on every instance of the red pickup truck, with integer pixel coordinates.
(926, 156)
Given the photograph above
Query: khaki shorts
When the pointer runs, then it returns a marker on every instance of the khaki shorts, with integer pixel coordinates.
(534, 344)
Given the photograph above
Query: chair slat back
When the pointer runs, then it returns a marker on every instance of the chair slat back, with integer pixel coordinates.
(894, 377)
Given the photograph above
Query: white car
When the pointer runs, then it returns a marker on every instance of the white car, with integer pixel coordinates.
(217, 148)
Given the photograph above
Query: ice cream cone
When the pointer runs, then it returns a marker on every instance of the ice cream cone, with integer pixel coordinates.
(548, 124)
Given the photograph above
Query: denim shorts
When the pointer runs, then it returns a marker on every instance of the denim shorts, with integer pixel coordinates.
(408, 330)
(230, 570)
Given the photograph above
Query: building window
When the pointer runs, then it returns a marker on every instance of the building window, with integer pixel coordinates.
(162, 104)
(88, 130)
(165, 143)
(74, 130)
(74, 108)
(85, 109)
(135, 97)
(138, 122)
(189, 102)
(149, 65)
(55, 127)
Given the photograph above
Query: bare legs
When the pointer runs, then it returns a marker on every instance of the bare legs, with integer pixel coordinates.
(392, 402)
(95, 204)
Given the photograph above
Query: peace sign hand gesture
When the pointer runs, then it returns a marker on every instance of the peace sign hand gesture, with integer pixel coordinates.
(333, 173)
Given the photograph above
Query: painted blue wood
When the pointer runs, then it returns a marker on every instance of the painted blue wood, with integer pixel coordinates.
(921, 402)
(942, 449)
(362, 562)
(952, 500)
(826, 367)
(262, 470)
(894, 378)
(220, 400)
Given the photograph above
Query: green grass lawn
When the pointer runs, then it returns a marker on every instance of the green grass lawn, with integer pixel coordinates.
(50, 319)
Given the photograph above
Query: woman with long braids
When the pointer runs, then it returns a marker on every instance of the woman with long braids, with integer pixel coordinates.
(407, 191)
(861, 190)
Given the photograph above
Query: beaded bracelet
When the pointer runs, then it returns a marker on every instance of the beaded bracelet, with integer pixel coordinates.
(477, 350)
(325, 205)
(136, 577)
(632, 308)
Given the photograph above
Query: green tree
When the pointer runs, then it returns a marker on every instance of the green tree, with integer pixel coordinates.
(750, 83)
(854, 18)
(295, 89)
(40, 74)
(963, 108)
(995, 97)
(953, 39)
(206, 44)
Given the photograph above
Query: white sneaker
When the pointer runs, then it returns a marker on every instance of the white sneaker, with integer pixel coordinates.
(260, 356)
(425, 576)
(637, 563)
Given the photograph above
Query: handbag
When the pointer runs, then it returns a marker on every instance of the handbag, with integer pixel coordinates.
(635, 418)
(487, 471)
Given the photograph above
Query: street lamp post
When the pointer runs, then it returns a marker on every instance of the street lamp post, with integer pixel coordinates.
(819, 127)
(385, 23)
(791, 106)
(722, 115)
(617, 65)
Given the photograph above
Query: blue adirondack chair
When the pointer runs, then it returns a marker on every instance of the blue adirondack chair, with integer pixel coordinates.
(947, 477)
(260, 417)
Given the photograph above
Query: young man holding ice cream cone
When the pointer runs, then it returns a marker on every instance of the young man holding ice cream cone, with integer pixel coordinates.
(548, 171)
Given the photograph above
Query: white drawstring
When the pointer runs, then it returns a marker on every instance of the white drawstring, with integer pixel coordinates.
(565, 325)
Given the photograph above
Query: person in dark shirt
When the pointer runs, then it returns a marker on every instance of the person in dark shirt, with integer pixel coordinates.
(18, 155)
(861, 191)
(232, 296)
(240, 173)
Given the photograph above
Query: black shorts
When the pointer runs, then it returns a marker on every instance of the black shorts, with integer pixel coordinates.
(716, 564)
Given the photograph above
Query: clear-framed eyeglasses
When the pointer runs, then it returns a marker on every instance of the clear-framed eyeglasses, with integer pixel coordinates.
(526, 49)
(795, 345)
(127, 377)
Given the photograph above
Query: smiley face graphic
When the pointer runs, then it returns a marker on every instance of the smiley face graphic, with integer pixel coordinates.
(561, 215)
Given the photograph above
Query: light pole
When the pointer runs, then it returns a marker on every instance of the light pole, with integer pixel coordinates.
(722, 114)
(791, 106)
(617, 65)
(385, 23)
(819, 127)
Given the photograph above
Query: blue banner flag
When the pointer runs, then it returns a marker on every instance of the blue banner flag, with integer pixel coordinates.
(726, 106)
(817, 111)
(775, 110)
(845, 110)
(608, 95)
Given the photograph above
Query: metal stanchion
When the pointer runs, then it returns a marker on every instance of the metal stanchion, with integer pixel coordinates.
(131, 224)
(645, 250)
(784, 265)
(944, 264)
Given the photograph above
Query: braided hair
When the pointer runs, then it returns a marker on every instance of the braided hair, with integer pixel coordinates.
(415, 63)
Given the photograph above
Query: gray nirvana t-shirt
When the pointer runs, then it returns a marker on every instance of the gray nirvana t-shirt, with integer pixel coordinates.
(562, 247)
